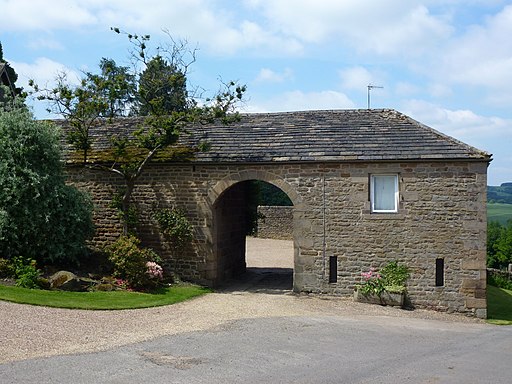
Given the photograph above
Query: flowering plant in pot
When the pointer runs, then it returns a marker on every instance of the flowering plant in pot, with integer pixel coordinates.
(386, 287)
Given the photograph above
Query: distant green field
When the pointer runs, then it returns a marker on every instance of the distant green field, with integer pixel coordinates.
(499, 212)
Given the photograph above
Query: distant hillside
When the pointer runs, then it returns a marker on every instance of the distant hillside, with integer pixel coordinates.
(501, 194)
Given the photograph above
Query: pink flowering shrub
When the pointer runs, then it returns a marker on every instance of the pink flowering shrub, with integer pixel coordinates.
(120, 283)
(371, 274)
(391, 278)
(154, 271)
(372, 283)
(136, 266)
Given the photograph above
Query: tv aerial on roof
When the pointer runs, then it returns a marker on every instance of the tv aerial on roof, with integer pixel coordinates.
(370, 87)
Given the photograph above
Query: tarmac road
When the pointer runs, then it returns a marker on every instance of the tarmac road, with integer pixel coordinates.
(304, 349)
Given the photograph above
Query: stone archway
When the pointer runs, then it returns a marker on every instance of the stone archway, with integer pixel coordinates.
(228, 202)
(221, 186)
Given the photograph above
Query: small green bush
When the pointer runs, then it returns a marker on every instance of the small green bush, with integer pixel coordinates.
(395, 289)
(134, 264)
(394, 274)
(26, 273)
(6, 269)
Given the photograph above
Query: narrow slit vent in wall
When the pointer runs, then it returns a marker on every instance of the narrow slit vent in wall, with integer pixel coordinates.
(333, 269)
(439, 272)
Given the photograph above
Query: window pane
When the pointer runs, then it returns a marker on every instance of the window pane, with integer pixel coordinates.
(384, 188)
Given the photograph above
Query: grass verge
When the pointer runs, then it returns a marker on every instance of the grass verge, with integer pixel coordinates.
(499, 306)
(101, 300)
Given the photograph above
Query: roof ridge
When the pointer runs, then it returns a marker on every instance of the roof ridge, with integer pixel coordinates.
(312, 135)
(315, 111)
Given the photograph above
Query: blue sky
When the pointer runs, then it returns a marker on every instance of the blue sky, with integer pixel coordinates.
(446, 63)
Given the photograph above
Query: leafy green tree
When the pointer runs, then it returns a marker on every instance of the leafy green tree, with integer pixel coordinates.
(41, 217)
(161, 96)
(116, 86)
(494, 229)
(162, 88)
(79, 105)
(503, 246)
(269, 194)
(10, 95)
(499, 244)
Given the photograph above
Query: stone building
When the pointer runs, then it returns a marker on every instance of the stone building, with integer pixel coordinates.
(367, 186)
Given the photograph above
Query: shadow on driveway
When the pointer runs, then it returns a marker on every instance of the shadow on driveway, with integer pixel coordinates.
(277, 281)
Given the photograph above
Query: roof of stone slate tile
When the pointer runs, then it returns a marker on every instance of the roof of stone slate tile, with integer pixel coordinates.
(335, 135)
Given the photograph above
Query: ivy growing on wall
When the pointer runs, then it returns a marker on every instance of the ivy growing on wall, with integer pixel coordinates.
(174, 225)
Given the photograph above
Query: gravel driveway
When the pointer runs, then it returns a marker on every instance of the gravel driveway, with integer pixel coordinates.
(30, 331)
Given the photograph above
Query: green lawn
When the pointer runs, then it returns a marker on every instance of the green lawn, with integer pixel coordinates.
(499, 212)
(101, 300)
(499, 306)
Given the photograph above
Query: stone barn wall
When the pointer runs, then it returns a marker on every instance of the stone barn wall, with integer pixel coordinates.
(442, 215)
(275, 222)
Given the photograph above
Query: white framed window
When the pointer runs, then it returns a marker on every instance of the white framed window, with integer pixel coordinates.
(384, 193)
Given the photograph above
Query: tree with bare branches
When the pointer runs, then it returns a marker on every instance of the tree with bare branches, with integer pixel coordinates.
(157, 89)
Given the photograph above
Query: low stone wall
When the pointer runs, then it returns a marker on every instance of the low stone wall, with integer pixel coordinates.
(497, 272)
(275, 222)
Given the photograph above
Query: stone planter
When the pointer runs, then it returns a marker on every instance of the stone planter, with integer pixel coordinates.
(386, 298)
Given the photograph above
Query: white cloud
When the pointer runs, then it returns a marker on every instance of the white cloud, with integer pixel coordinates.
(43, 71)
(489, 133)
(355, 78)
(251, 35)
(195, 20)
(439, 90)
(30, 15)
(45, 43)
(416, 31)
(283, 26)
(214, 25)
(403, 88)
(267, 75)
(500, 173)
(302, 101)
(462, 124)
(391, 27)
(482, 57)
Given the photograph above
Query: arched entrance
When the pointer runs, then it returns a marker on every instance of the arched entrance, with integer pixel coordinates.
(233, 217)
